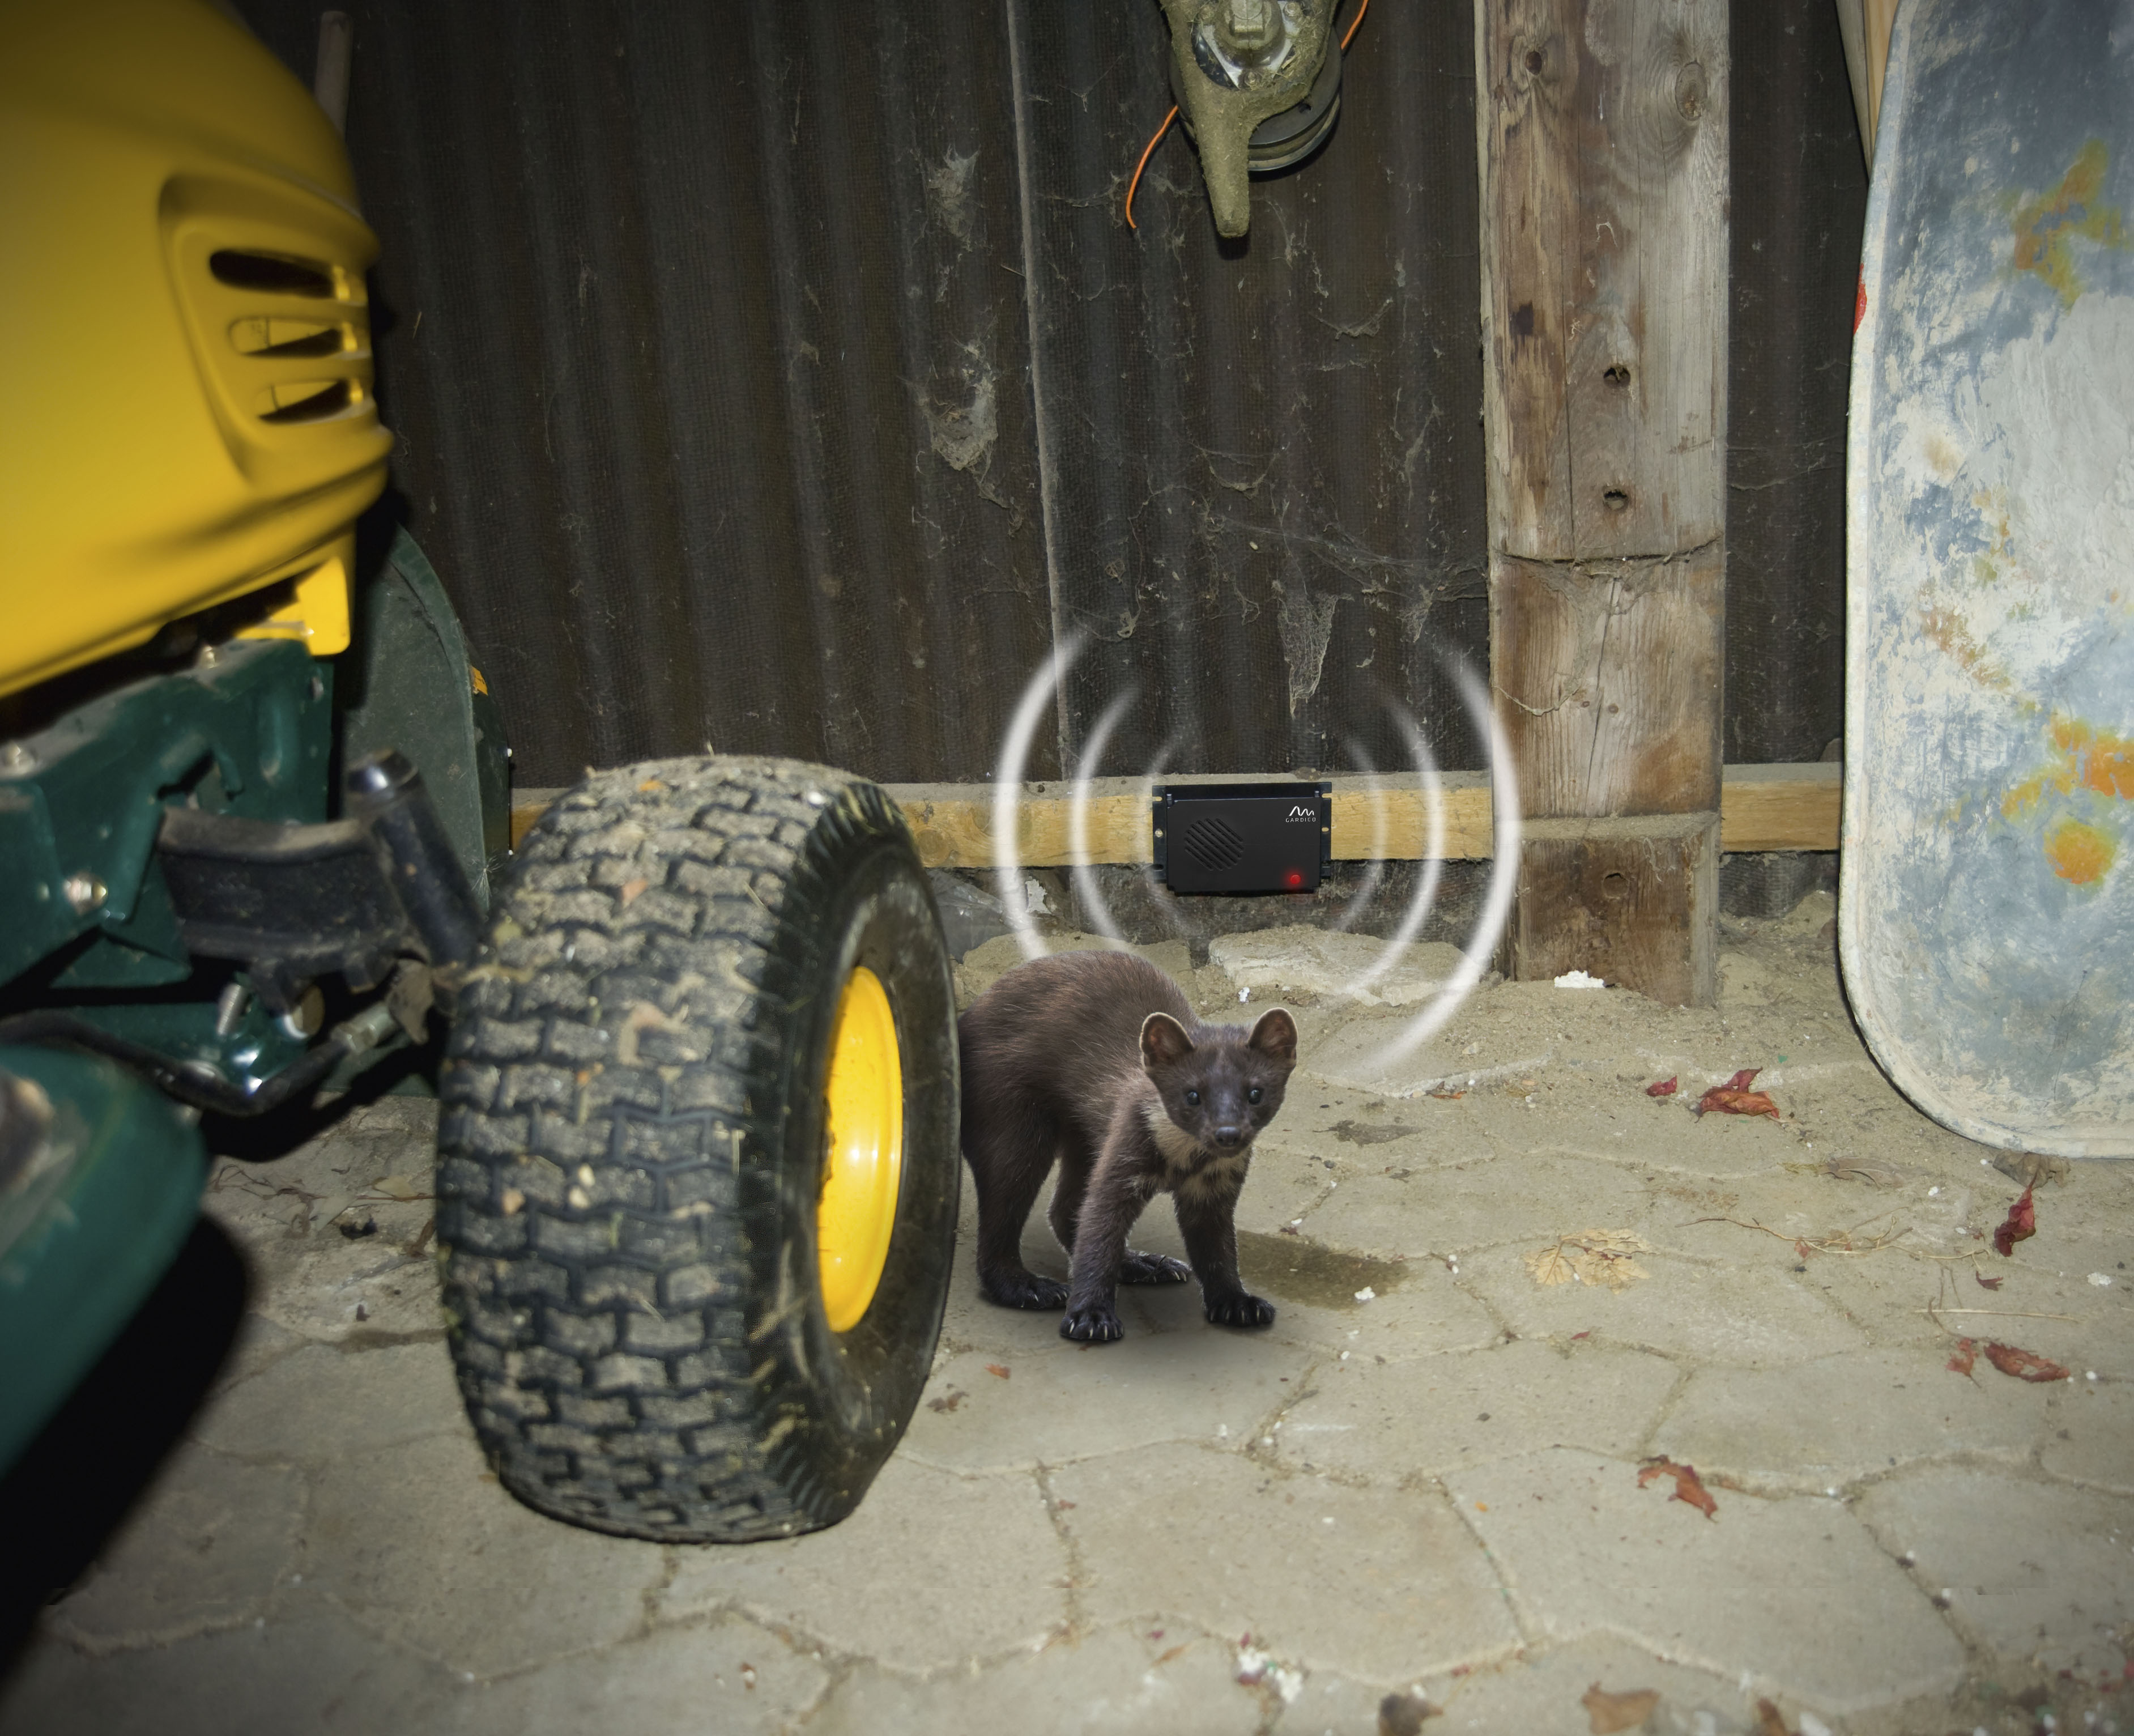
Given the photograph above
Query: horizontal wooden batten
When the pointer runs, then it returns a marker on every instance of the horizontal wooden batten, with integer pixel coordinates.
(1760, 808)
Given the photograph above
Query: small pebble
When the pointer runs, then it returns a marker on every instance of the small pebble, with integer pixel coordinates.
(1367, 1294)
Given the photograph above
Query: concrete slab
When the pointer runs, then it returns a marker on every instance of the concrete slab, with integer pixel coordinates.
(1079, 1401)
(1739, 1316)
(1276, 962)
(1751, 1593)
(2090, 1436)
(423, 1546)
(288, 1214)
(310, 1668)
(203, 1552)
(1112, 1683)
(1416, 1310)
(2031, 1569)
(1829, 1423)
(1544, 1694)
(1405, 1421)
(727, 1675)
(322, 1402)
(1323, 1577)
(1479, 1205)
(902, 1579)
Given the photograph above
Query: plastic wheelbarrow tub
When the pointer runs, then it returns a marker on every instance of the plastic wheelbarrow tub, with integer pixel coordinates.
(1987, 918)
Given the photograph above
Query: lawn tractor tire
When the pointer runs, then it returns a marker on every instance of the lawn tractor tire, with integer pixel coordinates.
(697, 1164)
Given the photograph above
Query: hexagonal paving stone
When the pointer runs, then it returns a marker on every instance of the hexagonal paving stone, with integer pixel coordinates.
(933, 1570)
(1363, 1582)
(1794, 1596)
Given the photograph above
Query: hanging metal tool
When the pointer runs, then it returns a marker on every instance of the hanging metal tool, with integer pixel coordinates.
(1256, 87)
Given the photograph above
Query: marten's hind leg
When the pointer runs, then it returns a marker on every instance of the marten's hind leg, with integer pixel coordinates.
(1010, 1148)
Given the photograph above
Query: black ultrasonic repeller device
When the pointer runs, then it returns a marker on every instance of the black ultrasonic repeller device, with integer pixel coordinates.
(1243, 837)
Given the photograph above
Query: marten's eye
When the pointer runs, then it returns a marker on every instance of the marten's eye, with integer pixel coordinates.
(1253, 1094)
(1193, 1099)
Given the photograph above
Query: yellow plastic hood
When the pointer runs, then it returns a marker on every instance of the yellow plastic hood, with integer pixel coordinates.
(185, 405)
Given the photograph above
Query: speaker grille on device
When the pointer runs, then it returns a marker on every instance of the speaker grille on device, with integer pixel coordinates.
(1214, 845)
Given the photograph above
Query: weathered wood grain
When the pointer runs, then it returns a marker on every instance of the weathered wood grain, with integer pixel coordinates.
(1782, 807)
(1607, 681)
(1603, 139)
(1762, 808)
(1619, 899)
(1602, 128)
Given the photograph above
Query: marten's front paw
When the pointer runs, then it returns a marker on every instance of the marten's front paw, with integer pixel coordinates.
(1240, 1310)
(1153, 1268)
(1025, 1290)
(1095, 1324)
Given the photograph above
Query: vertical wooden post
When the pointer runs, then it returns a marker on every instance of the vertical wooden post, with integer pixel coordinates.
(1603, 144)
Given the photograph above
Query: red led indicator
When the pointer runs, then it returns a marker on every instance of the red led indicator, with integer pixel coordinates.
(1296, 877)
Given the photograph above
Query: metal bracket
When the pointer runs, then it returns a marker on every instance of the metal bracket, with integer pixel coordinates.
(1234, 64)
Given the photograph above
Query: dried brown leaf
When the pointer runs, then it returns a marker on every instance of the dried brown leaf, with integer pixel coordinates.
(2025, 1364)
(1729, 1100)
(1768, 1722)
(2020, 1225)
(1688, 1486)
(998, 1369)
(1607, 1713)
(2030, 1167)
(1598, 1257)
(1966, 1357)
(1549, 1265)
(1988, 1284)
(1664, 1088)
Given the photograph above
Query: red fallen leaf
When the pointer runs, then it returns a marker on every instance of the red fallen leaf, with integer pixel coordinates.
(995, 1368)
(1688, 1486)
(1802, 1250)
(1966, 1356)
(2023, 1364)
(2020, 1225)
(1733, 1098)
(1665, 1088)
(1607, 1713)
(1988, 1284)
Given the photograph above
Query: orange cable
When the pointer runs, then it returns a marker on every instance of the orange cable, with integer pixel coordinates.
(1149, 151)
(1145, 156)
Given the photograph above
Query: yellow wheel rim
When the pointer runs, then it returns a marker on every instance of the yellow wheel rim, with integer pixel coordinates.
(864, 1098)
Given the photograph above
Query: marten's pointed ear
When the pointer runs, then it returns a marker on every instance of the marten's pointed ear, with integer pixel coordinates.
(1163, 1040)
(1275, 1036)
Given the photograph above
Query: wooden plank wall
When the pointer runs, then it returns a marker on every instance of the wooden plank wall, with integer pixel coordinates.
(1603, 148)
(1762, 808)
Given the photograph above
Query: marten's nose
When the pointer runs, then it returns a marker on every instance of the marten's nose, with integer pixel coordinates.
(1229, 1137)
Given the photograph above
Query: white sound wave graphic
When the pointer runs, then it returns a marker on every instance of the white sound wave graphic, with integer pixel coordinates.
(1489, 927)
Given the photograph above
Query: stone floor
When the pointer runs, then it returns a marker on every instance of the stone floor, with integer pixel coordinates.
(1424, 1490)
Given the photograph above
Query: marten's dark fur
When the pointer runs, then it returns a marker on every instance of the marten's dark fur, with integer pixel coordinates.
(1095, 1059)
